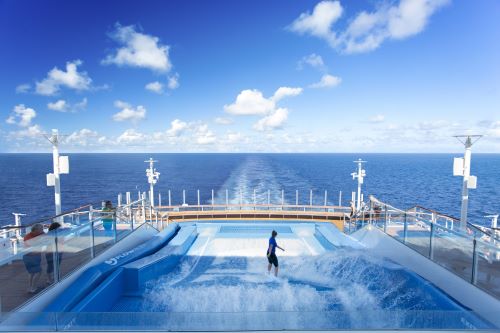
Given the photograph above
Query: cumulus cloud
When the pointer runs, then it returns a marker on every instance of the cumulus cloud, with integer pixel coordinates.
(253, 102)
(128, 112)
(59, 105)
(177, 126)
(204, 136)
(327, 81)
(83, 137)
(275, 120)
(367, 30)
(32, 132)
(223, 121)
(23, 88)
(313, 60)
(155, 87)
(138, 50)
(71, 78)
(21, 116)
(131, 137)
(173, 81)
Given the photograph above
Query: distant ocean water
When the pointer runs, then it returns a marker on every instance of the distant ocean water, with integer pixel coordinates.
(403, 180)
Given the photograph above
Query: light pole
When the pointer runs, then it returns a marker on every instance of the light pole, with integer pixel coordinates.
(153, 177)
(461, 167)
(360, 175)
(60, 166)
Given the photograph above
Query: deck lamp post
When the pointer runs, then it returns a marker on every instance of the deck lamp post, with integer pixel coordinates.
(461, 167)
(153, 177)
(60, 166)
(360, 175)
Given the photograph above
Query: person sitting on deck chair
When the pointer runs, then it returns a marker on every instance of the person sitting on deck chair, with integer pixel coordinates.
(108, 219)
(271, 253)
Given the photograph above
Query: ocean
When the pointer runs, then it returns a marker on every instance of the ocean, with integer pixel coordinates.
(402, 180)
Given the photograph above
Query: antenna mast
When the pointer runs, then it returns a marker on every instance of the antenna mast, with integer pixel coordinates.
(461, 167)
(60, 166)
(360, 175)
(153, 177)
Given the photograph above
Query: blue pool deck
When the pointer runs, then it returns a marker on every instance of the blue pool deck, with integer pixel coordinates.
(213, 276)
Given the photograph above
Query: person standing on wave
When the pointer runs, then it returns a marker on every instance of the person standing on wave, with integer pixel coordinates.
(271, 253)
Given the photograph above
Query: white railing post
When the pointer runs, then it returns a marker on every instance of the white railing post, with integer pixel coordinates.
(183, 197)
(311, 198)
(296, 197)
(326, 196)
(213, 198)
(198, 194)
(169, 198)
(119, 200)
(340, 198)
(159, 198)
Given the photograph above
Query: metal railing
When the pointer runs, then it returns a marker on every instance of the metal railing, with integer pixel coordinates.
(472, 255)
(49, 257)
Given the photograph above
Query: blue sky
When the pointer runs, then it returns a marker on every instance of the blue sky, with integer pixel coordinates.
(245, 76)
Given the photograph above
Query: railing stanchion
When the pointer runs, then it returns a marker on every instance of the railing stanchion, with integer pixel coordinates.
(92, 240)
(370, 221)
(311, 197)
(115, 232)
(340, 198)
(405, 229)
(431, 243)
(213, 198)
(296, 197)
(474, 261)
(385, 218)
(326, 197)
(198, 195)
(169, 198)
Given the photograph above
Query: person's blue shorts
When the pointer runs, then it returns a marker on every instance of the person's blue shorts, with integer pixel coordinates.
(33, 262)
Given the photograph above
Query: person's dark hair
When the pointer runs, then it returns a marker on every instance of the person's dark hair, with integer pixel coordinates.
(54, 226)
(108, 204)
(274, 233)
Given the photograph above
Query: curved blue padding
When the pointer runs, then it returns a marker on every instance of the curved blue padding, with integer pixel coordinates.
(137, 273)
(94, 275)
(130, 278)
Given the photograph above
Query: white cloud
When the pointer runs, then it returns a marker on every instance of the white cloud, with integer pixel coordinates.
(155, 87)
(272, 121)
(138, 50)
(21, 116)
(313, 60)
(319, 22)
(70, 78)
(23, 88)
(173, 81)
(63, 106)
(128, 112)
(327, 81)
(177, 126)
(379, 118)
(131, 136)
(31, 132)
(283, 92)
(250, 102)
(367, 30)
(203, 136)
(82, 137)
(223, 121)
(59, 105)
(234, 137)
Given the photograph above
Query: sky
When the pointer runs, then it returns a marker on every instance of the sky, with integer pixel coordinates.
(249, 76)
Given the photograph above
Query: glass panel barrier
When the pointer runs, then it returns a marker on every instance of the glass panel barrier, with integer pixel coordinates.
(453, 251)
(488, 267)
(418, 234)
(74, 247)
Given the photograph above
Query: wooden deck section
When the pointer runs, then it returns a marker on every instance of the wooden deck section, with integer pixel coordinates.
(336, 218)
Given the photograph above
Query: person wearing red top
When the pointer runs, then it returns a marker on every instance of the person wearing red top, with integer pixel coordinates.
(33, 259)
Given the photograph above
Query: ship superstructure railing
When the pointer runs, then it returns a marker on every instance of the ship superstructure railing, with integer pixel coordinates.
(51, 256)
(471, 254)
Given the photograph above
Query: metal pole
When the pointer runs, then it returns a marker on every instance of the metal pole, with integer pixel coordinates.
(17, 219)
(159, 198)
(119, 199)
(183, 197)
(213, 200)
(405, 232)
(340, 198)
(326, 197)
(169, 198)
(198, 194)
(127, 198)
(227, 197)
(92, 240)
(474, 262)
(56, 258)
(431, 243)
(282, 197)
(465, 189)
(296, 197)
(385, 219)
(55, 160)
